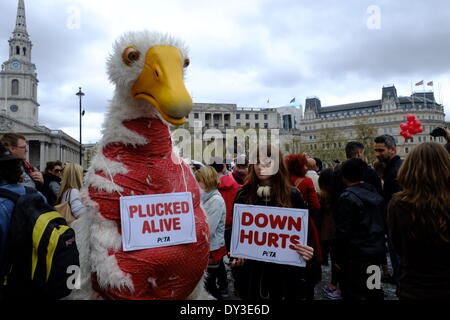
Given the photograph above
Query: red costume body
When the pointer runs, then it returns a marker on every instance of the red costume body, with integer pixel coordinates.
(159, 273)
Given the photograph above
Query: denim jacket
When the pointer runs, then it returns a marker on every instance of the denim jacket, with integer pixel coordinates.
(214, 206)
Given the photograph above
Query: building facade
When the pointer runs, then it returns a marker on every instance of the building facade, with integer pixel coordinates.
(286, 120)
(19, 107)
(383, 116)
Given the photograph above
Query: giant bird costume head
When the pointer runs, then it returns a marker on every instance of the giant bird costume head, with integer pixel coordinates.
(135, 157)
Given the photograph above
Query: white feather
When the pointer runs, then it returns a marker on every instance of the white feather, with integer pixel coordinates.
(95, 234)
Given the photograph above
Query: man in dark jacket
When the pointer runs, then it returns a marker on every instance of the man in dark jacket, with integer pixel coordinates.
(355, 149)
(52, 180)
(386, 151)
(359, 233)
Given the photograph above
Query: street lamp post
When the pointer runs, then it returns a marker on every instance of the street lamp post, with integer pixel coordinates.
(80, 94)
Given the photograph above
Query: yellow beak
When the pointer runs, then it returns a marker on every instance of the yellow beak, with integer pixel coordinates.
(161, 84)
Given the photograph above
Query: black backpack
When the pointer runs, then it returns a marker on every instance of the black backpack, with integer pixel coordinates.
(41, 249)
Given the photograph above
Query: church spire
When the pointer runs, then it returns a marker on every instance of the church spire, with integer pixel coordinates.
(20, 31)
(19, 43)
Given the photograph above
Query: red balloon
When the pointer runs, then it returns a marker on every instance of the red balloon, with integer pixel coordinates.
(419, 130)
(404, 126)
(416, 124)
(410, 117)
(412, 130)
(404, 134)
(408, 136)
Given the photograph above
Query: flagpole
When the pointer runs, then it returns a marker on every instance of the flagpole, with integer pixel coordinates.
(424, 98)
(412, 95)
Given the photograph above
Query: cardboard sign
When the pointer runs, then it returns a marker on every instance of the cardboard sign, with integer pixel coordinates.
(158, 220)
(268, 233)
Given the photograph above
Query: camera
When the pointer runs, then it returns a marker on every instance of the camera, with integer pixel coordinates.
(438, 132)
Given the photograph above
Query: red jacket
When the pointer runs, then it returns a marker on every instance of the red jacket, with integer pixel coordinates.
(306, 188)
(228, 188)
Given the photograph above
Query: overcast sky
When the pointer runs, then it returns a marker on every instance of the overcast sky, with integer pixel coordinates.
(241, 51)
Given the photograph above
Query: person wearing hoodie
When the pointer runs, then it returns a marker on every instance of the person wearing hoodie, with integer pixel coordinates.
(214, 206)
(228, 188)
(360, 230)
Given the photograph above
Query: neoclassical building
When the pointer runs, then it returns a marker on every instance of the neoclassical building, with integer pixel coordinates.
(385, 115)
(19, 107)
(286, 120)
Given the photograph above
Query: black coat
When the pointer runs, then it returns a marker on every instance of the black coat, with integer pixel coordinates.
(47, 191)
(391, 184)
(360, 226)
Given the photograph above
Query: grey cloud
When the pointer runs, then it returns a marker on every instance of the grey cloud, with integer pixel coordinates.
(327, 51)
(413, 39)
(280, 76)
(239, 56)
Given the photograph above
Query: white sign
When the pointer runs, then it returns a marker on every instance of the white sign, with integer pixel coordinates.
(268, 233)
(158, 220)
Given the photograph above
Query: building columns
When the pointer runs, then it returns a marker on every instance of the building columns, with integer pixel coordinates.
(42, 157)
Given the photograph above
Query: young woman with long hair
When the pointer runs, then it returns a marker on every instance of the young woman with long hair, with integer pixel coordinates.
(419, 223)
(296, 165)
(71, 183)
(267, 184)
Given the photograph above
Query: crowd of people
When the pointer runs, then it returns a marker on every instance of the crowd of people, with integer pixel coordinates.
(360, 215)
(58, 183)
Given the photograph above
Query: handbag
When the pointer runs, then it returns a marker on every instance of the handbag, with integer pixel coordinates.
(65, 210)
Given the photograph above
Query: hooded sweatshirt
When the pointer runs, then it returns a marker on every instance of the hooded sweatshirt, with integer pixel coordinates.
(228, 188)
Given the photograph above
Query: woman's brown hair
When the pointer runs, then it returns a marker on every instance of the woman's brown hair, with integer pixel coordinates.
(425, 179)
(208, 175)
(281, 188)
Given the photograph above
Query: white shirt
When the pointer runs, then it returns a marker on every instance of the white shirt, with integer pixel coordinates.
(315, 178)
(75, 203)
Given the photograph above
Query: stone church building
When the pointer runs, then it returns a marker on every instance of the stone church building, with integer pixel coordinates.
(19, 107)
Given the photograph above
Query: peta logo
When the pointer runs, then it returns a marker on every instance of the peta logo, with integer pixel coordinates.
(269, 254)
(74, 280)
(374, 280)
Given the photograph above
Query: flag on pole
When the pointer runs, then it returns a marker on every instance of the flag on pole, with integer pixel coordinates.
(430, 83)
(419, 83)
(82, 113)
(293, 100)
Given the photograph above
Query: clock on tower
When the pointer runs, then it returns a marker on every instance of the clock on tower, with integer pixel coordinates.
(15, 64)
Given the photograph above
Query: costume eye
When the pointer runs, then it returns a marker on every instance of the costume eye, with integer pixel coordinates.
(130, 55)
(186, 63)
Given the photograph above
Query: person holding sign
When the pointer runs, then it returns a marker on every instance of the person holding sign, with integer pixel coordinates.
(268, 184)
(214, 206)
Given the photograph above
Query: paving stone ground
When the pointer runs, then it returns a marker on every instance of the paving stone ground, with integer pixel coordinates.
(389, 289)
